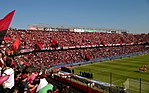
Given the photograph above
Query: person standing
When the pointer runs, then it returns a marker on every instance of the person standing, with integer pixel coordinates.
(9, 83)
(1, 63)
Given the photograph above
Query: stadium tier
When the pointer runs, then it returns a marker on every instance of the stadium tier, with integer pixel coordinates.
(69, 47)
(34, 50)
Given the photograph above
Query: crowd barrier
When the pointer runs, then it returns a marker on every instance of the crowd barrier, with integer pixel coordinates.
(84, 88)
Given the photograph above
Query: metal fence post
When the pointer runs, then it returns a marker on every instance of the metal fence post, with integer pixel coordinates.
(140, 86)
(110, 82)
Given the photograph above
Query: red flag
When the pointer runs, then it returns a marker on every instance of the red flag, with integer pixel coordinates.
(39, 45)
(87, 57)
(102, 40)
(4, 24)
(7, 38)
(121, 41)
(54, 42)
(13, 63)
(16, 44)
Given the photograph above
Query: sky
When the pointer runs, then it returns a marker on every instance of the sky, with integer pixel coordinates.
(131, 15)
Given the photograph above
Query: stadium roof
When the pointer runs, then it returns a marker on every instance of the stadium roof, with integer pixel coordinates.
(75, 27)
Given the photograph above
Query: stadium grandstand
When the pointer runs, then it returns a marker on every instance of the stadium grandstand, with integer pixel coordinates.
(71, 28)
(54, 49)
(37, 53)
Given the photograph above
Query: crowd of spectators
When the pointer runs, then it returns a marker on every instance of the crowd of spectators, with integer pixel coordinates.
(65, 38)
(28, 80)
(78, 55)
(50, 39)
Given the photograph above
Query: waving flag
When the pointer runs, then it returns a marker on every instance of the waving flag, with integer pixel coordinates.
(87, 57)
(16, 44)
(6, 38)
(54, 43)
(38, 46)
(4, 24)
(102, 40)
(121, 41)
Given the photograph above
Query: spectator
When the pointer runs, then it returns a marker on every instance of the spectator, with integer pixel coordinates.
(8, 84)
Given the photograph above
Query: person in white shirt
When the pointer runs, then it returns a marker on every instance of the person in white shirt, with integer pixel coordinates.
(43, 83)
(1, 63)
(1, 58)
(8, 84)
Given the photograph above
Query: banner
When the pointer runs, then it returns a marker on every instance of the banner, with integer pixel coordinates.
(4, 24)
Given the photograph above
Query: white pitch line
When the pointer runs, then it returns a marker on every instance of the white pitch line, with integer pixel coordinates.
(117, 80)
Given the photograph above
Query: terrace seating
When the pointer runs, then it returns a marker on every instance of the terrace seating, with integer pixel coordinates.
(51, 39)
(65, 38)
(48, 39)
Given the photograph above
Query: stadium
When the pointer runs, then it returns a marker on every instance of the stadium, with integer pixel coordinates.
(74, 59)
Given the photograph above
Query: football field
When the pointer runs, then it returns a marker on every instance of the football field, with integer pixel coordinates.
(121, 72)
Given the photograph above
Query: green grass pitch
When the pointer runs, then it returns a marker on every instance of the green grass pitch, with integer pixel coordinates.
(121, 69)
